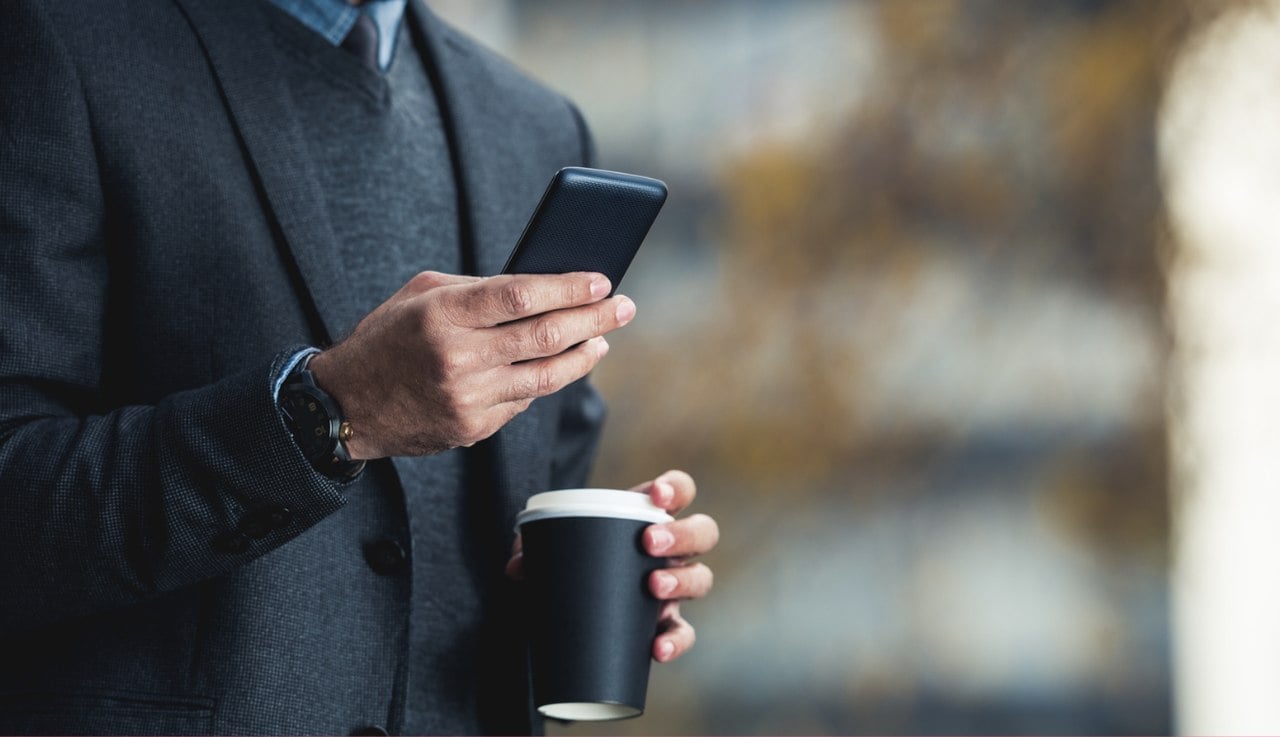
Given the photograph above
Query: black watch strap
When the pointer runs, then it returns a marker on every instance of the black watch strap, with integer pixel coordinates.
(316, 422)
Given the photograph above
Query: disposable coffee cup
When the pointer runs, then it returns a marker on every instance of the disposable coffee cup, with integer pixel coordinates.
(592, 619)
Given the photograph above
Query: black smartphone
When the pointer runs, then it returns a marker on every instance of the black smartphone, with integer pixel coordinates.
(588, 220)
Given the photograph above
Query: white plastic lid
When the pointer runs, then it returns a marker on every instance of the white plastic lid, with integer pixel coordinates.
(592, 503)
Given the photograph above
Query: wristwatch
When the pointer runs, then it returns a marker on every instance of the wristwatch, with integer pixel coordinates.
(316, 422)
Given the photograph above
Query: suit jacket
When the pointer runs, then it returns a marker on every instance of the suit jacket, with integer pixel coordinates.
(163, 247)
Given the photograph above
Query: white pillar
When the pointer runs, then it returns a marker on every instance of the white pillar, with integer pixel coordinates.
(1220, 156)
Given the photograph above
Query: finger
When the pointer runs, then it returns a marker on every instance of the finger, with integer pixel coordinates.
(553, 332)
(675, 635)
(481, 425)
(673, 491)
(509, 297)
(543, 376)
(692, 581)
(515, 566)
(693, 535)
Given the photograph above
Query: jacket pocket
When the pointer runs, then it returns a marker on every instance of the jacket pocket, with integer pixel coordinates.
(103, 712)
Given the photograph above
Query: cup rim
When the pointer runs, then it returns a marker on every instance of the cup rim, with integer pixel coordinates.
(590, 711)
(610, 503)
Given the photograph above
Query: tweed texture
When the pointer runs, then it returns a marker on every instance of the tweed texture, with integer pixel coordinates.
(165, 242)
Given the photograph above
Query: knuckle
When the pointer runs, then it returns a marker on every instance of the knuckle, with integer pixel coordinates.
(434, 364)
(438, 320)
(547, 334)
(601, 320)
(425, 318)
(575, 291)
(544, 381)
(522, 387)
(537, 382)
(488, 354)
(455, 307)
(453, 410)
(462, 401)
(471, 430)
(454, 364)
(516, 298)
(424, 280)
(512, 346)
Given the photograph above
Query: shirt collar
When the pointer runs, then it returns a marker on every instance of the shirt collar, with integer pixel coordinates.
(333, 19)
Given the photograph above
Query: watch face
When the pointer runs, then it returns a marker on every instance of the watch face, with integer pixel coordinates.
(310, 423)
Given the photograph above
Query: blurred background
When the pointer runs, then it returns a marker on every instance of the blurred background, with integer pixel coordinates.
(962, 313)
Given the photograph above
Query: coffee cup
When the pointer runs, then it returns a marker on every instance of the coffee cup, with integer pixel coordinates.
(591, 616)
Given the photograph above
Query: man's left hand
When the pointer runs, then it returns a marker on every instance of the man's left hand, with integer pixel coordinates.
(679, 542)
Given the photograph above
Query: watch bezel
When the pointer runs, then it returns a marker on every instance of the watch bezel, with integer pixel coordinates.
(330, 456)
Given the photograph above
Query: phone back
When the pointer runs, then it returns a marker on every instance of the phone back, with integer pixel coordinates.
(588, 220)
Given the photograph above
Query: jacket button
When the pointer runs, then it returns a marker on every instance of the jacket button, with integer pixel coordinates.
(385, 557)
(370, 731)
(258, 523)
(231, 543)
(278, 516)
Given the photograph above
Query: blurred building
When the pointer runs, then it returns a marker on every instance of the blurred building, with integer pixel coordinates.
(1220, 148)
(903, 318)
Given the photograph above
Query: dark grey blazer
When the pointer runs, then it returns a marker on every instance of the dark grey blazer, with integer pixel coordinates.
(163, 246)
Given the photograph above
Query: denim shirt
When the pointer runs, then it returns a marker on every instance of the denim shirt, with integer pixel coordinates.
(333, 19)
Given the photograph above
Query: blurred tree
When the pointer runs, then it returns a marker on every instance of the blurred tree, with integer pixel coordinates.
(1017, 137)
(1001, 150)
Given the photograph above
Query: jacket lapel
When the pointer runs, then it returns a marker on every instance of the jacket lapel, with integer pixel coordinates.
(246, 63)
(244, 59)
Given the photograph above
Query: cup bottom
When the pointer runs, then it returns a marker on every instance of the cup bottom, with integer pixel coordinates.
(588, 711)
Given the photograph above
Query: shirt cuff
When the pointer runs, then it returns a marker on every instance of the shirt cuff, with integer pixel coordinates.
(288, 368)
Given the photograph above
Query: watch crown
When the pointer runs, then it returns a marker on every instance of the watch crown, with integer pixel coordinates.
(345, 431)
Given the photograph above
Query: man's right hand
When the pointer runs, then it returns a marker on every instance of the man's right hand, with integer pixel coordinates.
(448, 360)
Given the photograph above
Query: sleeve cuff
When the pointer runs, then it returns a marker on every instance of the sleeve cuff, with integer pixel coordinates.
(287, 368)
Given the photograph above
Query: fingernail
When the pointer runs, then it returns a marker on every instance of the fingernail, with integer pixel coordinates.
(660, 539)
(602, 346)
(665, 492)
(665, 650)
(599, 286)
(626, 310)
(665, 584)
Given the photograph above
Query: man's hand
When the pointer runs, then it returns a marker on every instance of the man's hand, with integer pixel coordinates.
(448, 360)
(679, 541)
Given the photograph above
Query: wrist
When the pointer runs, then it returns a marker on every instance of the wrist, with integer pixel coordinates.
(326, 369)
(316, 420)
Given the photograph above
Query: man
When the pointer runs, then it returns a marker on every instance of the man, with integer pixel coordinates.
(206, 523)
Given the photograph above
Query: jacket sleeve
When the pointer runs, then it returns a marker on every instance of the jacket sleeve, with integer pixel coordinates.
(104, 505)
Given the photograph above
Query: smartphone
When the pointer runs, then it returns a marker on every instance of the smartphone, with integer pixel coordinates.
(588, 220)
